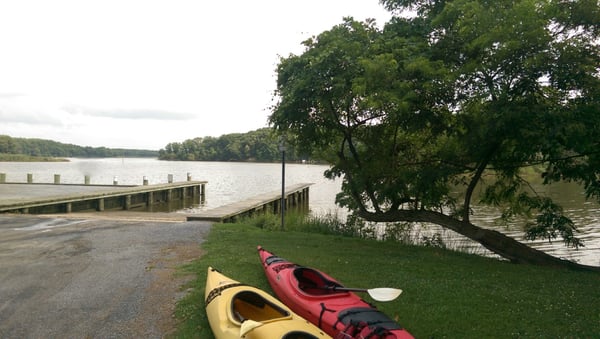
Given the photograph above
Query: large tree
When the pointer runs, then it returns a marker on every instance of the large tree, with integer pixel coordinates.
(462, 95)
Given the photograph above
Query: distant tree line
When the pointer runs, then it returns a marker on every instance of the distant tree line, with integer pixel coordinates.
(260, 145)
(49, 148)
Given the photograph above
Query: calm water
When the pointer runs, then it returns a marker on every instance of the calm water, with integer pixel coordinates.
(229, 182)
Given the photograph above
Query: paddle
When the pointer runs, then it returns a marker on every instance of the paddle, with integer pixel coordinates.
(379, 294)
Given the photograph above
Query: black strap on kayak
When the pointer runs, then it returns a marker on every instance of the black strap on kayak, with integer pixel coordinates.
(373, 317)
(282, 264)
(282, 267)
(323, 309)
(352, 330)
(215, 292)
(273, 259)
(360, 329)
(378, 332)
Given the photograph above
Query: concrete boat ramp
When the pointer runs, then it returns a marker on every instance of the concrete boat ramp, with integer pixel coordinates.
(132, 201)
(79, 261)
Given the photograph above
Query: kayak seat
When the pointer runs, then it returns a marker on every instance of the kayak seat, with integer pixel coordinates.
(313, 282)
(251, 305)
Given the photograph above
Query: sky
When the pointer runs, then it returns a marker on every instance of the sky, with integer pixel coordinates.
(142, 74)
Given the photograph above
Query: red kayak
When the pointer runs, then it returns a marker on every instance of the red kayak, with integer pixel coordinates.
(312, 294)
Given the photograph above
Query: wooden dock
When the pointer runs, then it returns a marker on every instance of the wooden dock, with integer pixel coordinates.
(29, 198)
(296, 198)
(53, 198)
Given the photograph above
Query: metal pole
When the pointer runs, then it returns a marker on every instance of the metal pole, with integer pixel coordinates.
(282, 187)
(282, 207)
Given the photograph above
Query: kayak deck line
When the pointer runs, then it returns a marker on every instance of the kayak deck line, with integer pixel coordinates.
(215, 292)
(296, 197)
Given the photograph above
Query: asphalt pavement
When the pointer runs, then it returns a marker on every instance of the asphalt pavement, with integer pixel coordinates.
(66, 277)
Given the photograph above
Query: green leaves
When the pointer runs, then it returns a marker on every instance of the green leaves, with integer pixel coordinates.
(469, 92)
(551, 223)
(258, 145)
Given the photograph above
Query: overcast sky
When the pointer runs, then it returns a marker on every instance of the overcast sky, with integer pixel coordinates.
(141, 74)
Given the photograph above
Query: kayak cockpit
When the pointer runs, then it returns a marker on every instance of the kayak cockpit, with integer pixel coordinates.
(249, 305)
(313, 282)
(298, 335)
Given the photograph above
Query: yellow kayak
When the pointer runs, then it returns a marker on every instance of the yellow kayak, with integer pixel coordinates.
(236, 310)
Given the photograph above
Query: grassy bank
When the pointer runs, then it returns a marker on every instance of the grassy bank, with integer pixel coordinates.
(29, 158)
(446, 294)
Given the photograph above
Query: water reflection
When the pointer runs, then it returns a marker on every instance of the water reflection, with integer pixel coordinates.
(176, 205)
(230, 182)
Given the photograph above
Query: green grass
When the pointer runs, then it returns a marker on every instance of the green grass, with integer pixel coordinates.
(29, 158)
(446, 294)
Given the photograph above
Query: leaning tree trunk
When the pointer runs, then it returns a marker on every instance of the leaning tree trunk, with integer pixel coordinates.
(499, 243)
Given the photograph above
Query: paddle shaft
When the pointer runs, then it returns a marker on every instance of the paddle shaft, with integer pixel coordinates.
(346, 289)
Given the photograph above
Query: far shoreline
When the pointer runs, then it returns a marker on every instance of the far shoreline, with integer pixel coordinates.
(29, 158)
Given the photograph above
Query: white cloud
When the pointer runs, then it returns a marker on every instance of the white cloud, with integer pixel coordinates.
(134, 113)
(21, 109)
(153, 71)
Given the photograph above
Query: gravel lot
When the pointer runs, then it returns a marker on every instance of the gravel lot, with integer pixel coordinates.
(64, 277)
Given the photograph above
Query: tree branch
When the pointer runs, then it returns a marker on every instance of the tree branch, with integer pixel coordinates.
(475, 180)
(368, 186)
(495, 241)
(350, 178)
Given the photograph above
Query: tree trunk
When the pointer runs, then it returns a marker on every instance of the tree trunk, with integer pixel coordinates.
(497, 242)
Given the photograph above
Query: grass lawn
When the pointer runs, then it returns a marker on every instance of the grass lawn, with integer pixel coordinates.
(446, 294)
(29, 158)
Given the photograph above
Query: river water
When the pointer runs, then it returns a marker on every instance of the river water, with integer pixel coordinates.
(233, 181)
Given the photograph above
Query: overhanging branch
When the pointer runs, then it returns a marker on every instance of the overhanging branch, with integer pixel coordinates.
(494, 241)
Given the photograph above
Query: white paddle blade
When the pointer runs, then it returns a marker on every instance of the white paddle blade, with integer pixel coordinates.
(384, 293)
(247, 326)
